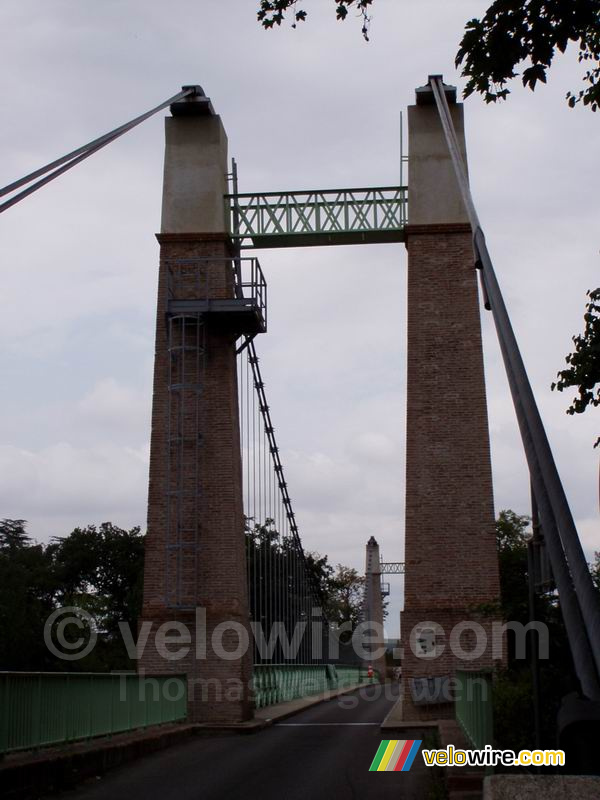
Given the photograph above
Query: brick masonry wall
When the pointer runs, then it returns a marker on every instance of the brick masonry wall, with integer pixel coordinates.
(207, 567)
(450, 548)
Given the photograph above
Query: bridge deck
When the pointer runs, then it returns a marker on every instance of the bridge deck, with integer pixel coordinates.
(321, 753)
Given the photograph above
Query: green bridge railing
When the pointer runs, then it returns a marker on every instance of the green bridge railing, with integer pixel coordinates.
(279, 683)
(44, 709)
(474, 707)
(52, 708)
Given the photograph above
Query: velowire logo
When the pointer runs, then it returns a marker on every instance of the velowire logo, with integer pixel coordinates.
(395, 755)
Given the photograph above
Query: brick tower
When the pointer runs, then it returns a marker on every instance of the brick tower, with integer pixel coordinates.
(450, 550)
(195, 570)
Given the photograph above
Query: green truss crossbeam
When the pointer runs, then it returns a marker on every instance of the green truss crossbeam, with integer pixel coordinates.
(391, 568)
(319, 217)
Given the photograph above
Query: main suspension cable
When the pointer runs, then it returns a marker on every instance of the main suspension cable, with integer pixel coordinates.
(64, 163)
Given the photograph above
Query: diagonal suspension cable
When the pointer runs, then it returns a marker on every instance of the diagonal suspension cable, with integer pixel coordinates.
(66, 162)
(579, 600)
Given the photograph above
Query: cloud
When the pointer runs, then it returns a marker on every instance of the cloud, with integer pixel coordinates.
(314, 107)
(375, 448)
(115, 408)
(81, 486)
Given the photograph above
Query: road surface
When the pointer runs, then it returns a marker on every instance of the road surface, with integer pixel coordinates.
(323, 753)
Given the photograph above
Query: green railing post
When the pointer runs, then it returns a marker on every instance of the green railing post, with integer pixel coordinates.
(3, 715)
(35, 713)
(40, 709)
(474, 711)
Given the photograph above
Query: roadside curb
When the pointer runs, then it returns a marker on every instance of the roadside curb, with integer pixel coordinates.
(24, 776)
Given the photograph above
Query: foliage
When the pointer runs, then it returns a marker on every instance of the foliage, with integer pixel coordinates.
(27, 591)
(272, 12)
(100, 569)
(513, 708)
(12, 534)
(595, 570)
(343, 597)
(278, 568)
(513, 32)
(346, 598)
(322, 577)
(510, 34)
(511, 542)
(279, 588)
(584, 369)
(97, 569)
(513, 700)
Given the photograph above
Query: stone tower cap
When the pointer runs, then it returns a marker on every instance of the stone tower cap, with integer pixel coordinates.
(195, 104)
(424, 94)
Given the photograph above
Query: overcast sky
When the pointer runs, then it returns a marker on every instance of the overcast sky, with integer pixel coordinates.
(315, 107)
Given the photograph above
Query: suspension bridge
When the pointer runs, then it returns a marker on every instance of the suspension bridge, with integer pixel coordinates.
(227, 581)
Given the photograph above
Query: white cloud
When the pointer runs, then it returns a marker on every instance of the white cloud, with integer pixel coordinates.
(375, 447)
(308, 108)
(81, 486)
(115, 407)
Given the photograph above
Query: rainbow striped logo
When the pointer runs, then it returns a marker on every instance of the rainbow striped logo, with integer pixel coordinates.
(395, 755)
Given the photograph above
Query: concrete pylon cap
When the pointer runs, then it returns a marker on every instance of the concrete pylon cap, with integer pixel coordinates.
(195, 104)
(424, 94)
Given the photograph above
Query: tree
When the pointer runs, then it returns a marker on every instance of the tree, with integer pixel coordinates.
(97, 569)
(518, 32)
(347, 597)
(584, 370)
(595, 570)
(510, 34)
(511, 542)
(272, 12)
(322, 577)
(100, 569)
(277, 568)
(12, 534)
(513, 692)
(27, 591)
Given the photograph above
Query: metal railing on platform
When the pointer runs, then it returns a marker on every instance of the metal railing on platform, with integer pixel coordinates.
(197, 285)
(474, 707)
(54, 708)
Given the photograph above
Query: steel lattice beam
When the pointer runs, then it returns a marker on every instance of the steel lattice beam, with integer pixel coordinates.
(318, 217)
(392, 568)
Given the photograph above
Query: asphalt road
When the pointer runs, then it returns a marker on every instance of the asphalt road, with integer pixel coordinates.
(323, 753)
